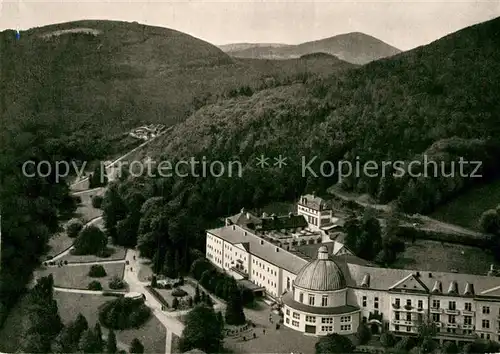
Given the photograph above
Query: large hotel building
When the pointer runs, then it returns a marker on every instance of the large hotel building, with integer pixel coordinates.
(324, 288)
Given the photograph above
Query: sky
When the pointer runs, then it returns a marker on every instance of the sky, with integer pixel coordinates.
(402, 23)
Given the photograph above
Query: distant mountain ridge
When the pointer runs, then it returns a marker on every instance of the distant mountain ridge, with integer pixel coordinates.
(355, 47)
(231, 47)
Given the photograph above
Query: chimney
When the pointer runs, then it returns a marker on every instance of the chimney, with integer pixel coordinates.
(242, 210)
(492, 267)
(248, 215)
(290, 215)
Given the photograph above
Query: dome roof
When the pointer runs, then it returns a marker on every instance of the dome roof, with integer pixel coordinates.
(323, 274)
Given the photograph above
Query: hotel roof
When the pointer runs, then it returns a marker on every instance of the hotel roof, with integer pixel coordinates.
(359, 273)
(259, 247)
(313, 202)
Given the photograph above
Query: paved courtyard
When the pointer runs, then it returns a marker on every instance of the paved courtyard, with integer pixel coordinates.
(283, 340)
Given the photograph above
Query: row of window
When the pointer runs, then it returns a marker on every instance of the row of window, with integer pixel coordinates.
(436, 304)
(312, 319)
(261, 265)
(375, 302)
(324, 299)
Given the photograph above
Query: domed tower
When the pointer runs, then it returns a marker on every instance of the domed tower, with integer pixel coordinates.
(318, 303)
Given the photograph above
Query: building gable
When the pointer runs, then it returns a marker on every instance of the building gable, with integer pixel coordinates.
(410, 283)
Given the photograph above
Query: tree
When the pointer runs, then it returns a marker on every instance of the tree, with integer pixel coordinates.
(198, 267)
(449, 347)
(387, 340)
(199, 331)
(334, 343)
(404, 345)
(98, 335)
(197, 297)
(220, 320)
(490, 221)
(153, 281)
(111, 342)
(97, 271)
(114, 209)
(136, 347)
(97, 201)
(73, 227)
(234, 309)
(363, 334)
(175, 303)
(91, 240)
(116, 283)
(98, 178)
(94, 285)
(88, 342)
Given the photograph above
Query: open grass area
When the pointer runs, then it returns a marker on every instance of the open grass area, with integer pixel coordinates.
(151, 334)
(58, 243)
(427, 255)
(466, 209)
(76, 277)
(117, 253)
(167, 293)
(145, 271)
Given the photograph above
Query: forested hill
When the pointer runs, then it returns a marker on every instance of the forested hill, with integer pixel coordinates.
(445, 93)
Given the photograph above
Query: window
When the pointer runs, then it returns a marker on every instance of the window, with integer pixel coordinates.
(408, 302)
(468, 320)
(287, 320)
(345, 319)
(420, 304)
(364, 301)
(326, 328)
(452, 319)
(408, 316)
(486, 324)
(311, 300)
(487, 336)
(486, 310)
(375, 303)
(288, 312)
(288, 283)
(436, 317)
(436, 304)
(396, 328)
(408, 329)
(468, 306)
(310, 319)
(345, 327)
(396, 314)
(301, 297)
(295, 323)
(327, 320)
(296, 315)
(452, 305)
(324, 300)
(398, 302)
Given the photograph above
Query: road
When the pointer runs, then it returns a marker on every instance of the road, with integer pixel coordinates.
(131, 276)
(110, 165)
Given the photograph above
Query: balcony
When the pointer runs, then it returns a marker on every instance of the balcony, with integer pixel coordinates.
(470, 313)
(395, 306)
(408, 307)
(468, 326)
(452, 325)
(436, 310)
(452, 312)
(438, 324)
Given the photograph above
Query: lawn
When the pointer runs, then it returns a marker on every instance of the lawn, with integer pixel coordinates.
(76, 276)
(443, 257)
(151, 334)
(118, 253)
(145, 271)
(58, 243)
(466, 209)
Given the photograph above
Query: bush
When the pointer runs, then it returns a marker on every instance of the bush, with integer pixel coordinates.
(175, 303)
(97, 201)
(73, 227)
(97, 271)
(387, 340)
(363, 335)
(124, 313)
(77, 199)
(116, 283)
(95, 285)
(91, 240)
(178, 292)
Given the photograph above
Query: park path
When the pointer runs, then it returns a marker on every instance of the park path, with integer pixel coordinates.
(131, 276)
